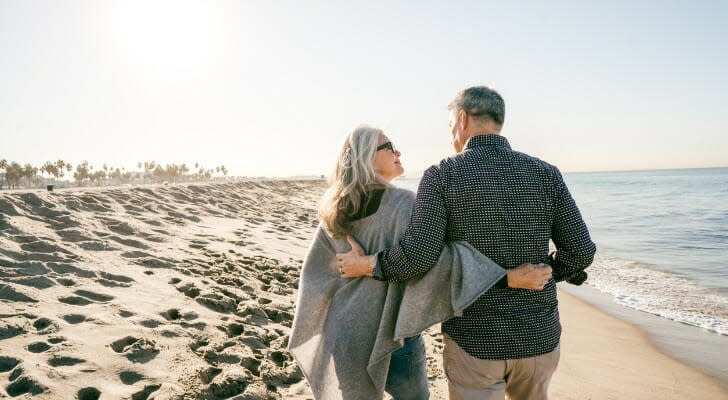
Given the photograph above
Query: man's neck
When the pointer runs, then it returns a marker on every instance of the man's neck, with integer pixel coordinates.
(483, 133)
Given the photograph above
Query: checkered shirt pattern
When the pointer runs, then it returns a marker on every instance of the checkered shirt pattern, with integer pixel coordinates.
(507, 205)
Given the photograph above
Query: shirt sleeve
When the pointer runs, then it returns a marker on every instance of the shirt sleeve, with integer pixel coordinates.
(419, 248)
(574, 247)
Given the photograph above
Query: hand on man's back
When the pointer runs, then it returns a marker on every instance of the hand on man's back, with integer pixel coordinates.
(529, 276)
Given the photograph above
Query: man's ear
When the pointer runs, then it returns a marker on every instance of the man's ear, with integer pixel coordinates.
(463, 119)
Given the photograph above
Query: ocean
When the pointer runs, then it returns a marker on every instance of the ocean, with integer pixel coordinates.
(662, 258)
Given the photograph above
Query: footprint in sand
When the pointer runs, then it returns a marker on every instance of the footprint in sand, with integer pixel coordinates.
(85, 297)
(208, 374)
(88, 393)
(231, 382)
(136, 349)
(40, 257)
(153, 262)
(130, 377)
(152, 238)
(64, 361)
(92, 245)
(7, 292)
(282, 317)
(42, 247)
(38, 347)
(150, 323)
(56, 339)
(112, 280)
(24, 385)
(72, 235)
(198, 244)
(145, 393)
(133, 210)
(122, 228)
(129, 242)
(63, 269)
(74, 300)
(45, 326)
(38, 282)
(74, 318)
(189, 289)
(174, 314)
(233, 329)
(25, 268)
(135, 254)
(8, 363)
(100, 297)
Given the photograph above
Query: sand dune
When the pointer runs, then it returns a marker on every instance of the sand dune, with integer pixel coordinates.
(152, 292)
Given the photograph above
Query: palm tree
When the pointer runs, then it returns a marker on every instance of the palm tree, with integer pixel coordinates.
(82, 173)
(49, 168)
(3, 166)
(183, 170)
(13, 173)
(30, 174)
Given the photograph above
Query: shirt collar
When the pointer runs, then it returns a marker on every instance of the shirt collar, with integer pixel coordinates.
(487, 140)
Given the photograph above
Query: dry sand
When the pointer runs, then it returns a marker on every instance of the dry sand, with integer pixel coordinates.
(187, 292)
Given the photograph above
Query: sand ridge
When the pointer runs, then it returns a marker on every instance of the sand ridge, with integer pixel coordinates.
(179, 291)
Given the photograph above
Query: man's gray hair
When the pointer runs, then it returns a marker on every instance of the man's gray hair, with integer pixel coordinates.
(482, 103)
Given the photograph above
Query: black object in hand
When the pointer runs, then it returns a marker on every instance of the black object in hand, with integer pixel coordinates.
(578, 278)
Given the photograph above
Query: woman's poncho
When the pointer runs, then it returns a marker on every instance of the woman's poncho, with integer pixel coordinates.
(345, 330)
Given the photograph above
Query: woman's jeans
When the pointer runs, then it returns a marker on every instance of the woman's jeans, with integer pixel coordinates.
(407, 378)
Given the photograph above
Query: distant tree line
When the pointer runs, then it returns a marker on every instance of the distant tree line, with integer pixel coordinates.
(14, 175)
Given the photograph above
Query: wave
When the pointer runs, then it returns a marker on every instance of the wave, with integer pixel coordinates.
(638, 286)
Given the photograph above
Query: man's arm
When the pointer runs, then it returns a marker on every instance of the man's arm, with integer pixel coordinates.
(419, 248)
(574, 248)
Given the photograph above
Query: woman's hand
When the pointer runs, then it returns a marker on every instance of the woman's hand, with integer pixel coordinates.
(529, 276)
(355, 263)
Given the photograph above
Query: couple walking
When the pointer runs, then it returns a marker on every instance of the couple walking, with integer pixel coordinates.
(470, 251)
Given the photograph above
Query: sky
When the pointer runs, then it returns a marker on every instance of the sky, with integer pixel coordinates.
(271, 88)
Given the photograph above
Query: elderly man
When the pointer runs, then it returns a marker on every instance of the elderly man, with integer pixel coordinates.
(507, 205)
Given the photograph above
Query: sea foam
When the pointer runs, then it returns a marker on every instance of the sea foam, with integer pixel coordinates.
(637, 285)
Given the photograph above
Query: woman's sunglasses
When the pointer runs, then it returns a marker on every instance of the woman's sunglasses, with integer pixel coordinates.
(387, 146)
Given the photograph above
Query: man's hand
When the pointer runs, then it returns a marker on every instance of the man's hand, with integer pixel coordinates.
(355, 263)
(529, 276)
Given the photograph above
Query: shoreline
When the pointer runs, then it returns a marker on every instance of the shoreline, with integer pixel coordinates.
(605, 357)
(691, 345)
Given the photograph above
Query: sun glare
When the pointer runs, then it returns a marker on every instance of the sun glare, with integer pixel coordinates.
(169, 38)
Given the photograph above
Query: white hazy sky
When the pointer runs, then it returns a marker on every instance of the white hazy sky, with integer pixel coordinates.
(272, 87)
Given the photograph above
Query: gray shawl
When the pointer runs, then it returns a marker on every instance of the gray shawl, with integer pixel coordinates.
(345, 330)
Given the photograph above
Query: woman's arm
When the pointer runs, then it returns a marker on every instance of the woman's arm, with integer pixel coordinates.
(356, 264)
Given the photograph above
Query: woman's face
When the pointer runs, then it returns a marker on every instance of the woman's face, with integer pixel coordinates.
(386, 160)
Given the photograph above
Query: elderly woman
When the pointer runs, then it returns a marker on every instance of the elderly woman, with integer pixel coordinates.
(356, 338)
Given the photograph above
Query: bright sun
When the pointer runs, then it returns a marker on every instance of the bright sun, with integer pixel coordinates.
(170, 38)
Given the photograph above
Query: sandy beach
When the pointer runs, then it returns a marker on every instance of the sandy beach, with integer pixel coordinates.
(187, 292)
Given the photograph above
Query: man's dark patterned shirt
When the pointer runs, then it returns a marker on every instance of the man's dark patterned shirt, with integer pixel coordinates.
(507, 205)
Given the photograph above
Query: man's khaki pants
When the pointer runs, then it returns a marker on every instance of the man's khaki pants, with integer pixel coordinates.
(471, 378)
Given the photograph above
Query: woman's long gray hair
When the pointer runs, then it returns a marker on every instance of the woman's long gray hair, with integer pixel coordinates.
(352, 178)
